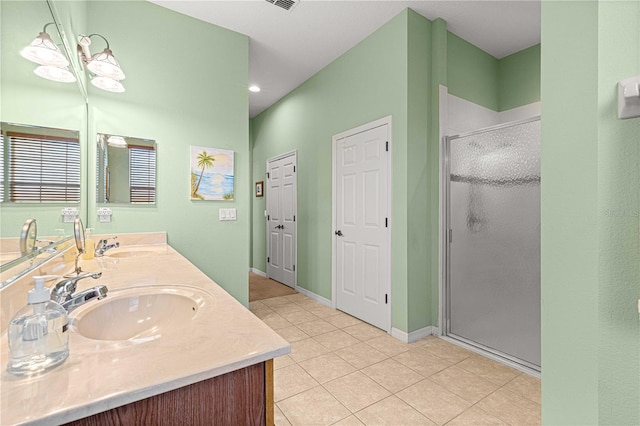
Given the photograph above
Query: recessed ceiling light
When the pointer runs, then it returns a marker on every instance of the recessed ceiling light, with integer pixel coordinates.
(254, 89)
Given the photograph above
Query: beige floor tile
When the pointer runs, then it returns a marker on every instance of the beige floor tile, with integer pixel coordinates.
(314, 328)
(257, 305)
(392, 411)
(361, 355)
(474, 416)
(323, 311)
(445, 350)
(292, 334)
(364, 331)
(356, 391)
(421, 361)
(282, 361)
(511, 408)
(349, 421)
(434, 401)
(335, 340)
(276, 322)
(342, 320)
(313, 407)
(264, 312)
(279, 418)
(298, 317)
(287, 309)
(307, 303)
(527, 386)
(291, 380)
(306, 349)
(392, 375)
(464, 384)
(389, 345)
(275, 301)
(488, 369)
(327, 367)
(295, 298)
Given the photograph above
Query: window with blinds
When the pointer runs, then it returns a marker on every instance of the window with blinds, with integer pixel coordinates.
(142, 174)
(2, 177)
(43, 169)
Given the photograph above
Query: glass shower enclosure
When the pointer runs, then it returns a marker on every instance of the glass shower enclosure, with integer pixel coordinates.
(492, 241)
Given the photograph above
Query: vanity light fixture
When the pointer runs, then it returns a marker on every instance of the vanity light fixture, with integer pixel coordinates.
(105, 70)
(44, 52)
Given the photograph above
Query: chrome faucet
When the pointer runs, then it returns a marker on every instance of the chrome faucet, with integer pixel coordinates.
(63, 291)
(102, 246)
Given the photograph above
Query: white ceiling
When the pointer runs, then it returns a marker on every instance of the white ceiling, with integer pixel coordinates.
(286, 48)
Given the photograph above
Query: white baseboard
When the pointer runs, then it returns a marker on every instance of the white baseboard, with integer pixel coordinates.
(416, 335)
(317, 298)
(258, 272)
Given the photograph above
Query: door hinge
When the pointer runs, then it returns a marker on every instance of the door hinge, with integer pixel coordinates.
(268, 259)
(386, 222)
(267, 175)
(294, 217)
(450, 235)
(294, 267)
(386, 298)
(268, 217)
(294, 169)
(387, 146)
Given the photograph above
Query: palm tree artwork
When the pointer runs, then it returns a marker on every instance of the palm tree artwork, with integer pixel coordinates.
(205, 161)
(212, 174)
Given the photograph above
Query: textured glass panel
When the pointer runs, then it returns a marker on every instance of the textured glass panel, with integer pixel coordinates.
(494, 285)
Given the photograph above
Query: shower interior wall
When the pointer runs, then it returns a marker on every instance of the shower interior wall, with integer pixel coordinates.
(420, 55)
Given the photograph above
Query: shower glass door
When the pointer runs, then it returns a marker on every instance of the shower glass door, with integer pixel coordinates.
(493, 218)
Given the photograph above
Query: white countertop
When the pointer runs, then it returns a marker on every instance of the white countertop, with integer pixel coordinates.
(100, 375)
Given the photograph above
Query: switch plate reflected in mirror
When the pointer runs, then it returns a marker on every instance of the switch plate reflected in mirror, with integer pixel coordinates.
(126, 170)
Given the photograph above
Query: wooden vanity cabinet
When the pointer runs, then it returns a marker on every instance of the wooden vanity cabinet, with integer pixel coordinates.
(241, 397)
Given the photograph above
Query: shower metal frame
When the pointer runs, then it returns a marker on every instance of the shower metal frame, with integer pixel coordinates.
(445, 298)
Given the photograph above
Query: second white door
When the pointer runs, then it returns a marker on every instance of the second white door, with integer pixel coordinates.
(361, 234)
(281, 219)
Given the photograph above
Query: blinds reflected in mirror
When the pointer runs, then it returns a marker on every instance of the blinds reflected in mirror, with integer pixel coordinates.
(142, 174)
(41, 168)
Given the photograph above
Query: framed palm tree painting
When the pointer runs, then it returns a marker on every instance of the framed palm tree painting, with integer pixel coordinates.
(212, 174)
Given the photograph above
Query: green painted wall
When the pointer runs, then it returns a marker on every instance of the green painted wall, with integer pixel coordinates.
(590, 198)
(419, 178)
(31, 100)
(178, 100)
(472, 74)
(366, 83)
(519, 78)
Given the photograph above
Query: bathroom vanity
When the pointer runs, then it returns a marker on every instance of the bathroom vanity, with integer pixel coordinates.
(166, 346)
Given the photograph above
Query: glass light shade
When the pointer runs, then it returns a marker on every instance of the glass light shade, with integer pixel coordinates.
(117, 142)
(108, 84)
(49, 72)
(44, 51)
(104, 64)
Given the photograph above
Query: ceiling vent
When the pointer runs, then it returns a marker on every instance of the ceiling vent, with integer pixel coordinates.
(284, 4)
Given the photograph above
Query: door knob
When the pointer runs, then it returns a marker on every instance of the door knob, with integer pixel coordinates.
(338, 233)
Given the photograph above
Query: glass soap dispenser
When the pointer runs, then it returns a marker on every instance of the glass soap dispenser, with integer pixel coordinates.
(38, 334)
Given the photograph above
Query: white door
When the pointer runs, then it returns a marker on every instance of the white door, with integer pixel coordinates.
(361, 217)
(281, 219)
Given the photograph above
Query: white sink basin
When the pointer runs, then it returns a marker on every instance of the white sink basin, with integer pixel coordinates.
(131, 253)
(140, 314)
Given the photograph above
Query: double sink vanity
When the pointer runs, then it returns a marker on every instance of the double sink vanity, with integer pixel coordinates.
(167, 345)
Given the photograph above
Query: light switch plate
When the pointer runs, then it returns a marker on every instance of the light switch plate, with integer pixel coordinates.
(227, 214)
(104, 214)
(69, 214)
(629, 98)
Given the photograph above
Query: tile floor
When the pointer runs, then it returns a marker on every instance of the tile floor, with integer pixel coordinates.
(342, 371)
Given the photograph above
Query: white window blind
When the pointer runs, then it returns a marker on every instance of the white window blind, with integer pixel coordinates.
(2, 178)
(142, 174)
(43, 168)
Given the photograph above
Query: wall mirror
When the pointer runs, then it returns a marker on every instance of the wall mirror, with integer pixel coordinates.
(53, 114)
(126, 170)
